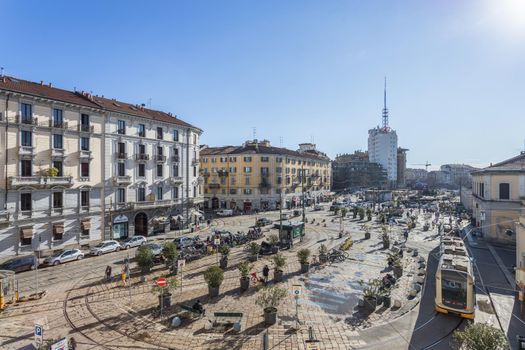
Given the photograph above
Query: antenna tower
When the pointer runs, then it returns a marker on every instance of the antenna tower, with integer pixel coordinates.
(385, 110)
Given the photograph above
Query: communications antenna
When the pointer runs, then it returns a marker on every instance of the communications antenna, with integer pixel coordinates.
(385, 110)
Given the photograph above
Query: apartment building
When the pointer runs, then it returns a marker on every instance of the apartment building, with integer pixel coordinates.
(50, 180)
(256, 175)
(78, 168)
(151, 170)
(498, 194)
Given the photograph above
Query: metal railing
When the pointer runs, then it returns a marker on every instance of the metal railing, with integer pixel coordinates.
(141, 156)
(122, 155)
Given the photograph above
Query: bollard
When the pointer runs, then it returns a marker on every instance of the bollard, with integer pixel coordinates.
(265, 341)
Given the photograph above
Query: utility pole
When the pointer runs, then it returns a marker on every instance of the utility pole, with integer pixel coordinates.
(304, 214)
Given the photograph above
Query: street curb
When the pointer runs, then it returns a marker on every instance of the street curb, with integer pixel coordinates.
(501, 266)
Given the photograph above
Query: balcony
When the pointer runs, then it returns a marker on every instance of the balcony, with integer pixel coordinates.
(176, 180)
(66, 181)
(141, 157)
(222, 173)
(195, 162)
(214, 186)
(85, 154)
(5, 217)
(122, 180)
(86, 128)
(58, 152)
(26, 120)
(153, 204)
(58, 124)
(175, 159)
(160, 158)
(26, 151)
(121, 155)
(40, 181)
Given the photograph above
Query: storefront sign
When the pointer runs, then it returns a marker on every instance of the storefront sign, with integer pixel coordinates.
(120, 218)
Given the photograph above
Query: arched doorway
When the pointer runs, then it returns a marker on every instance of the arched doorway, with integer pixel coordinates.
(141, 224)
(215, 203)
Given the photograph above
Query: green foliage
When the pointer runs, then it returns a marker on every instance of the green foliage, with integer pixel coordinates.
(336, 210)
(145, 258)
(245, 267)
(343, 212)
(273, 239)
(347, 244)
(394, 259)
(323, 250)
(367, 228)
(224, 250)
(361, 213)
(214, 276)
(481, 336)
(51, 172)
(303, 256)
(169, 251)
(355, 211)
(170, 285)
(271, 297)
(372, 288)
(279, 260)
(254, 248)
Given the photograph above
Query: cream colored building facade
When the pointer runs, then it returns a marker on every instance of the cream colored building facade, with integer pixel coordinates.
(44, 128)
(255, 176)
(498, 194)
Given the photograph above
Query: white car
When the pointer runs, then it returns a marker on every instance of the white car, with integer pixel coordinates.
(105, 247)
(225, 212)
(134, 241)
(63, 256)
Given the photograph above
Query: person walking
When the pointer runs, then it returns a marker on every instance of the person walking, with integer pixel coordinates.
(108, 273)
(266, 273)
(123, 275)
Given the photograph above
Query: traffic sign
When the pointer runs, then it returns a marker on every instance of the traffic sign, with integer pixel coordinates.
(60, 345)
(296, 290)
(161, 282)
(313, 346)
(217, 241)
(181, 263)
(39, 334)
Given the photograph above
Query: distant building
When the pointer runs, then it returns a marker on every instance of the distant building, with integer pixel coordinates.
(415, 176)
(382, 146)
(352, 171)
(401, 166)
(457, 174)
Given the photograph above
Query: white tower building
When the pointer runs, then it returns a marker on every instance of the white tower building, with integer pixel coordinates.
(382, 146)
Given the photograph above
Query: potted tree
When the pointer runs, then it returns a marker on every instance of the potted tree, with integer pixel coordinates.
(279, 260)
(367, 228)
(323, 254)
(214, 277)
(245, 268)
(164, 293)
(481, 336)
(225, 250)
(254, 249)
(369, 214)
(397, 267)
(303, 256)
(354, 212)
(170, 253)
(361, 214)
(269, 299)
(371, 292)
(387, 298)
(336, 211)
(385, 237)
(145, 261)
(343, 212)
(274, 241)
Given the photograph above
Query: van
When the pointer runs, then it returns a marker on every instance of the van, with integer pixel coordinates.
(225, 212)
(21, 263)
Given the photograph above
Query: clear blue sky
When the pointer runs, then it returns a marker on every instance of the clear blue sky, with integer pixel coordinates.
(294, 69)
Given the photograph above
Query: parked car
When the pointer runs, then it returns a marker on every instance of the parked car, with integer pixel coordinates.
(105, 247)
(225, 212)
(317, 207)
(183, 242)
(63, 256)
(20, 263)
(286, 216)
(266, 248)
(134, 241)
(263, 222)
(155, 248)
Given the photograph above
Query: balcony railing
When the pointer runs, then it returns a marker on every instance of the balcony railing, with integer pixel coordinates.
(214, 186)
(59, 180)
(85, 154)
(142, 157)
(86, 128)
(195, 162)
(25, 151)
(176, 179)
(121, 155)
(175, 158)
(122, 180)
(26, 120)
(58, 124)
(160, 158)
(58, 152)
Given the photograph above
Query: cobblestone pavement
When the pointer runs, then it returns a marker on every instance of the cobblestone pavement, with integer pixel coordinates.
(110, 316)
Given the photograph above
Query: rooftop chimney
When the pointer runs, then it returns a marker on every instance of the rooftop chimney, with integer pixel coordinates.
(41, 82)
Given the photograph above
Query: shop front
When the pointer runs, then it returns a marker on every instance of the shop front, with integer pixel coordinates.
(159, 225)
(247, 206)
(120, 227)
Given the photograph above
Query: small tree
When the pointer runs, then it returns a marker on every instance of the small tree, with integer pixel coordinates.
(170, 253)
(343, 212)
(273, 239)
(254, 248)
(214, 276)
(224, 250)
(336, 210)
(171, 284)
(481, 336)
(279, 260)
(354, 212)
(244, 268)
(303, 256)
(50, 172)
(145, 258)
(369, 214)
(361, 213)
(271, 297)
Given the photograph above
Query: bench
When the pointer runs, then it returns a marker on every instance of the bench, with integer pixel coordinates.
(237, 316)
(191, 310)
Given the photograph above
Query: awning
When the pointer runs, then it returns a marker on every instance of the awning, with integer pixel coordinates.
(176, 218)
(58, 228)
(86, 225)
(160, 220)
(26, 232)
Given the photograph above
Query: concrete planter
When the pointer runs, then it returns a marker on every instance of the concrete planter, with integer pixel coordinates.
(305, 268)
(213, 292)
(245, 284)
(323, 258)
(398, 271)
(270, 316)
(223, 263)
(275, 249)
(253, 258)
(386, 244)
(278, 275)
(387, 301)
(165, 300)
(369, 304)
(367, 235)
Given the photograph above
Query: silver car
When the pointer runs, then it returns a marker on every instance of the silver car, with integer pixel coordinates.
(63, 256)
(105, 247)
(134, 241)
(156, 249)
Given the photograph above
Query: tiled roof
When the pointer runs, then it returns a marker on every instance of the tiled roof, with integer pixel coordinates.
(514, 163)
(85, 99)
(250, 149)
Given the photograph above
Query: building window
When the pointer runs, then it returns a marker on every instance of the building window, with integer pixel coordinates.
(58, 231)
(159, 170)
(121, 195)
(232, 181)
(247, 191)
(279, 170)
(26, 167)
(142, 130)
(159, 150)
(84, 143)
(26, 236)
(84, 198)
(58, 165)
(247, 159)
(233, 159)
(121, 146)
(176, 135)
(141, 194)
(233, 191)
(265, 171)
(279, 180)
(504, 191)
(26, 138)
(159, 193)
(58, 120)
(160, 133)
(121, 169)
(84, 169)
(58, 141)
(194, 191)
(57, 200)
(84, 121)
(247, 169)
(194, 171)
(233, 169)
(264, 159)
(26, 202)
(142, 170)
(85, 226)
(247, 180)
(27, 112)
(175, 192)
(121, 127)
(175, 170)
